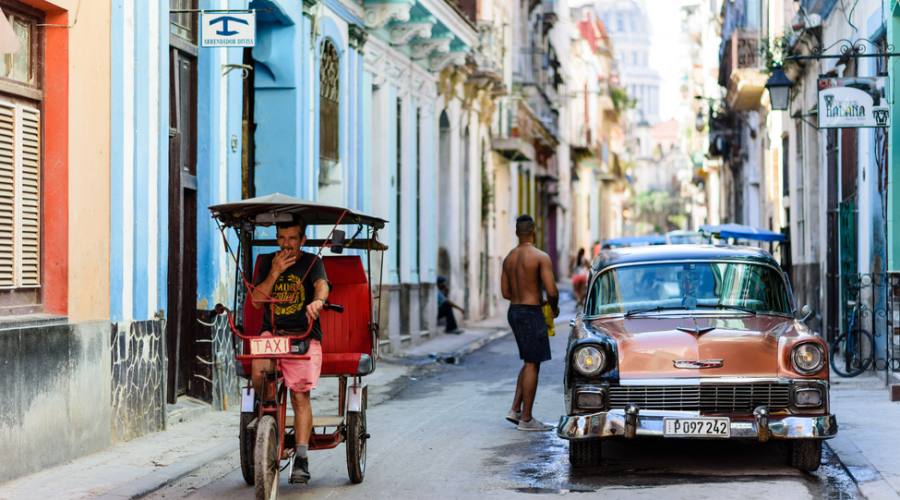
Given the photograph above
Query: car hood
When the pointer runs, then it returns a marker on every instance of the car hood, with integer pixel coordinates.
(650, 346)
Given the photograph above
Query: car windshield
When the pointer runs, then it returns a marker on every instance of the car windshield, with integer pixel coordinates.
(689, 285)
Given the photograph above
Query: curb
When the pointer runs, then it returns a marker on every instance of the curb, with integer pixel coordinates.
(482, 342)
(167, 475)
(866, 477)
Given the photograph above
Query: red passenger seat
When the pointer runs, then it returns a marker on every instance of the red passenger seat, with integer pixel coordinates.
(346, 337)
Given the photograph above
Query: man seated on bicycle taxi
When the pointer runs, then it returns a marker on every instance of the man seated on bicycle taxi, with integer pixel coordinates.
(292, 285)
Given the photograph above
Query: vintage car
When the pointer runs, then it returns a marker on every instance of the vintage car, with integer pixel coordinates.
(694, 341)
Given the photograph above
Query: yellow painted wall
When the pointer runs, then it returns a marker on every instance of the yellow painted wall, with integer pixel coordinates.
(89, 157)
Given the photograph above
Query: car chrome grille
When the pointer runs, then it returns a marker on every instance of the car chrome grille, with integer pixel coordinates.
(720, 398)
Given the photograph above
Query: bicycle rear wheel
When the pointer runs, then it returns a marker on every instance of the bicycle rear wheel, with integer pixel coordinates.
(854, 362)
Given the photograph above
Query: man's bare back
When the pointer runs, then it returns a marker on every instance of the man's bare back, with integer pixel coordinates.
(526, 270)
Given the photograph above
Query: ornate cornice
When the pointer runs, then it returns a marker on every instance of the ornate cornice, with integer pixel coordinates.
(379, 14)
(422, 48)
(402, 33)
(358, 36)
(438, 62)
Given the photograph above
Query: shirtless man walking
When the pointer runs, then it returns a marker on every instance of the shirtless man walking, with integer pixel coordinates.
(526, 270)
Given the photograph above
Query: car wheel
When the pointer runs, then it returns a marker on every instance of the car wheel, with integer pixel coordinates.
(806, 454)
(584, 453)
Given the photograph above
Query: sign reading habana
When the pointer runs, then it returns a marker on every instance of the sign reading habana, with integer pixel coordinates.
(852, 103)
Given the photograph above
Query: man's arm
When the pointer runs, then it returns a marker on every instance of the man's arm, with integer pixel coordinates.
(549, 282)
(318, 302)
(505, 289)
(454, 305)
(263, 290)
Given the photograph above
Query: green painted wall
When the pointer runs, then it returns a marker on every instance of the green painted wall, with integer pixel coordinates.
(893, 217)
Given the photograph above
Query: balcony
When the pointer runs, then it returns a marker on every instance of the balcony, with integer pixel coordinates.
(740, 70)
(490, 55)
(510, 137)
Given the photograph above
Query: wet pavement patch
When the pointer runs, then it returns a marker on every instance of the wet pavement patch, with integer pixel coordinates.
(541, 466)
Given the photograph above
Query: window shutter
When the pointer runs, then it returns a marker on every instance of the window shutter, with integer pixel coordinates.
(7, 195)
(20, 194)
(30, 197)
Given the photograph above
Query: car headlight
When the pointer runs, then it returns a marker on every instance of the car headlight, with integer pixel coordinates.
(808, 358)
(589, 360)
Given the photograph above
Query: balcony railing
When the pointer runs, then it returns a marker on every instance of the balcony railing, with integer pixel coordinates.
(741, 51)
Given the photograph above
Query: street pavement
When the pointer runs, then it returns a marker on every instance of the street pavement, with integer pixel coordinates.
(444, 436)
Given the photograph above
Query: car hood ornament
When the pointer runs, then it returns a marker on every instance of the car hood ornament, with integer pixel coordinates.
(698, 364)
(696, 330)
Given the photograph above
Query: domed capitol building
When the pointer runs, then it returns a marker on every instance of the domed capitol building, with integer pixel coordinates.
(629, 28)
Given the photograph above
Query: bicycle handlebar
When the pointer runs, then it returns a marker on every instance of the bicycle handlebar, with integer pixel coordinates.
(220, 309)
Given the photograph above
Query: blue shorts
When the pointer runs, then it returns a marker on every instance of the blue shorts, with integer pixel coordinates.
(530, 329)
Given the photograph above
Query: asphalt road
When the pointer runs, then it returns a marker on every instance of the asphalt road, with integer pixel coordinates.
(444, 436)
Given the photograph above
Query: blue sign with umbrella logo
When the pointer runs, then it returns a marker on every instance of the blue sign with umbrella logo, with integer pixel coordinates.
(228, 29)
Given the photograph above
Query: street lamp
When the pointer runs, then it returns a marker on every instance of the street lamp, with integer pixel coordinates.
(779, 86)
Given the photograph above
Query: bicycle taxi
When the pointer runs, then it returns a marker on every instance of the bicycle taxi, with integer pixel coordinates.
(349, 324)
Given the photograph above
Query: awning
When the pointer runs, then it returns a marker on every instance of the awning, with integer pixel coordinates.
(272, 208)
(741, 232)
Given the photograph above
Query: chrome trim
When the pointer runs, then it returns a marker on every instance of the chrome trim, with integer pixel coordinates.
(699, 364)
(717, 398)
(650, 423)
(704, 380)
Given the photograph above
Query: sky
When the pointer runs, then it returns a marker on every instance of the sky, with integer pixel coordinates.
(667, 53)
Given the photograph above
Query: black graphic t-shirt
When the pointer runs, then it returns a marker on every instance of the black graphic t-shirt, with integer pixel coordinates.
(291, 315)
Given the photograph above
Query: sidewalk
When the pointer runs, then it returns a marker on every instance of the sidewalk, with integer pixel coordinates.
(138, 467)
(868, 436)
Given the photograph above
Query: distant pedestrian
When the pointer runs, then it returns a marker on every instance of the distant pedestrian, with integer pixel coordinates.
(446, 307)
(526, 271)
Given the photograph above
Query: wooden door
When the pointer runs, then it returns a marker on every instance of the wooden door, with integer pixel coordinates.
(182, 328)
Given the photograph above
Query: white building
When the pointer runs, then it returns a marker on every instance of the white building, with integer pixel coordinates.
(629, 28)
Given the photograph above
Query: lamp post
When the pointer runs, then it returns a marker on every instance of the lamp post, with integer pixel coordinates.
(779, 87)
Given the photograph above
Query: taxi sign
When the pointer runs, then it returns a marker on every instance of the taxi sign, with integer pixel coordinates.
(228, 29)
(270, 345)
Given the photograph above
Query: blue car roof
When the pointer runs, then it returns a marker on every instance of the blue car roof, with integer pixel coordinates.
(637, 255)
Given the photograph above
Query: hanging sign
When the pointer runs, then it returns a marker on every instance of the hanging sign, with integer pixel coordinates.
(228, 29)
(853, 103)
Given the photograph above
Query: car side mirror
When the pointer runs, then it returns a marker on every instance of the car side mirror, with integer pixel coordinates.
(338, 239)
(805, 313)
(572, 323)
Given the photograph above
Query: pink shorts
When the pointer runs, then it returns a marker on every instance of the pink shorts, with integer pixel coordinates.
(302, 375)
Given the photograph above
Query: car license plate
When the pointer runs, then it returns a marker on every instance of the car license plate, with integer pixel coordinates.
(715, 427)
(270, 345)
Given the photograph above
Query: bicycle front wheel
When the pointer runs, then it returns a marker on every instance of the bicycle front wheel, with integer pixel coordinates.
(851, 361)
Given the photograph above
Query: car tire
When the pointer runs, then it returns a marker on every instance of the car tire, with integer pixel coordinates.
(806, 454)
(585, 453)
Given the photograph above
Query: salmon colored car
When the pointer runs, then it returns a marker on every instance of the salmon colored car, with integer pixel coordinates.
(694, 342)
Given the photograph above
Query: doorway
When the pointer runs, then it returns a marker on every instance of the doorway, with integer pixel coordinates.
(182, 266)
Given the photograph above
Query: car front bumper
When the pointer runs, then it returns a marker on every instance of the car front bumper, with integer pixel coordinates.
(634, 422)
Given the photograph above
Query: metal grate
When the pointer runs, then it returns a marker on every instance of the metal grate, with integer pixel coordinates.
(731, 398)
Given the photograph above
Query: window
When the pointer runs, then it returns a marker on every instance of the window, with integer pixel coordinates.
(329, 85)
(20, 163)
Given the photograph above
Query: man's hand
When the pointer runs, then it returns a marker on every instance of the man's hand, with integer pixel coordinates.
(282, 261)
(313, 309)
(555, 311)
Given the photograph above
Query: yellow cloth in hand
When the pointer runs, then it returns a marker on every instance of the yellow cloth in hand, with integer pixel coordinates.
(548, 318)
